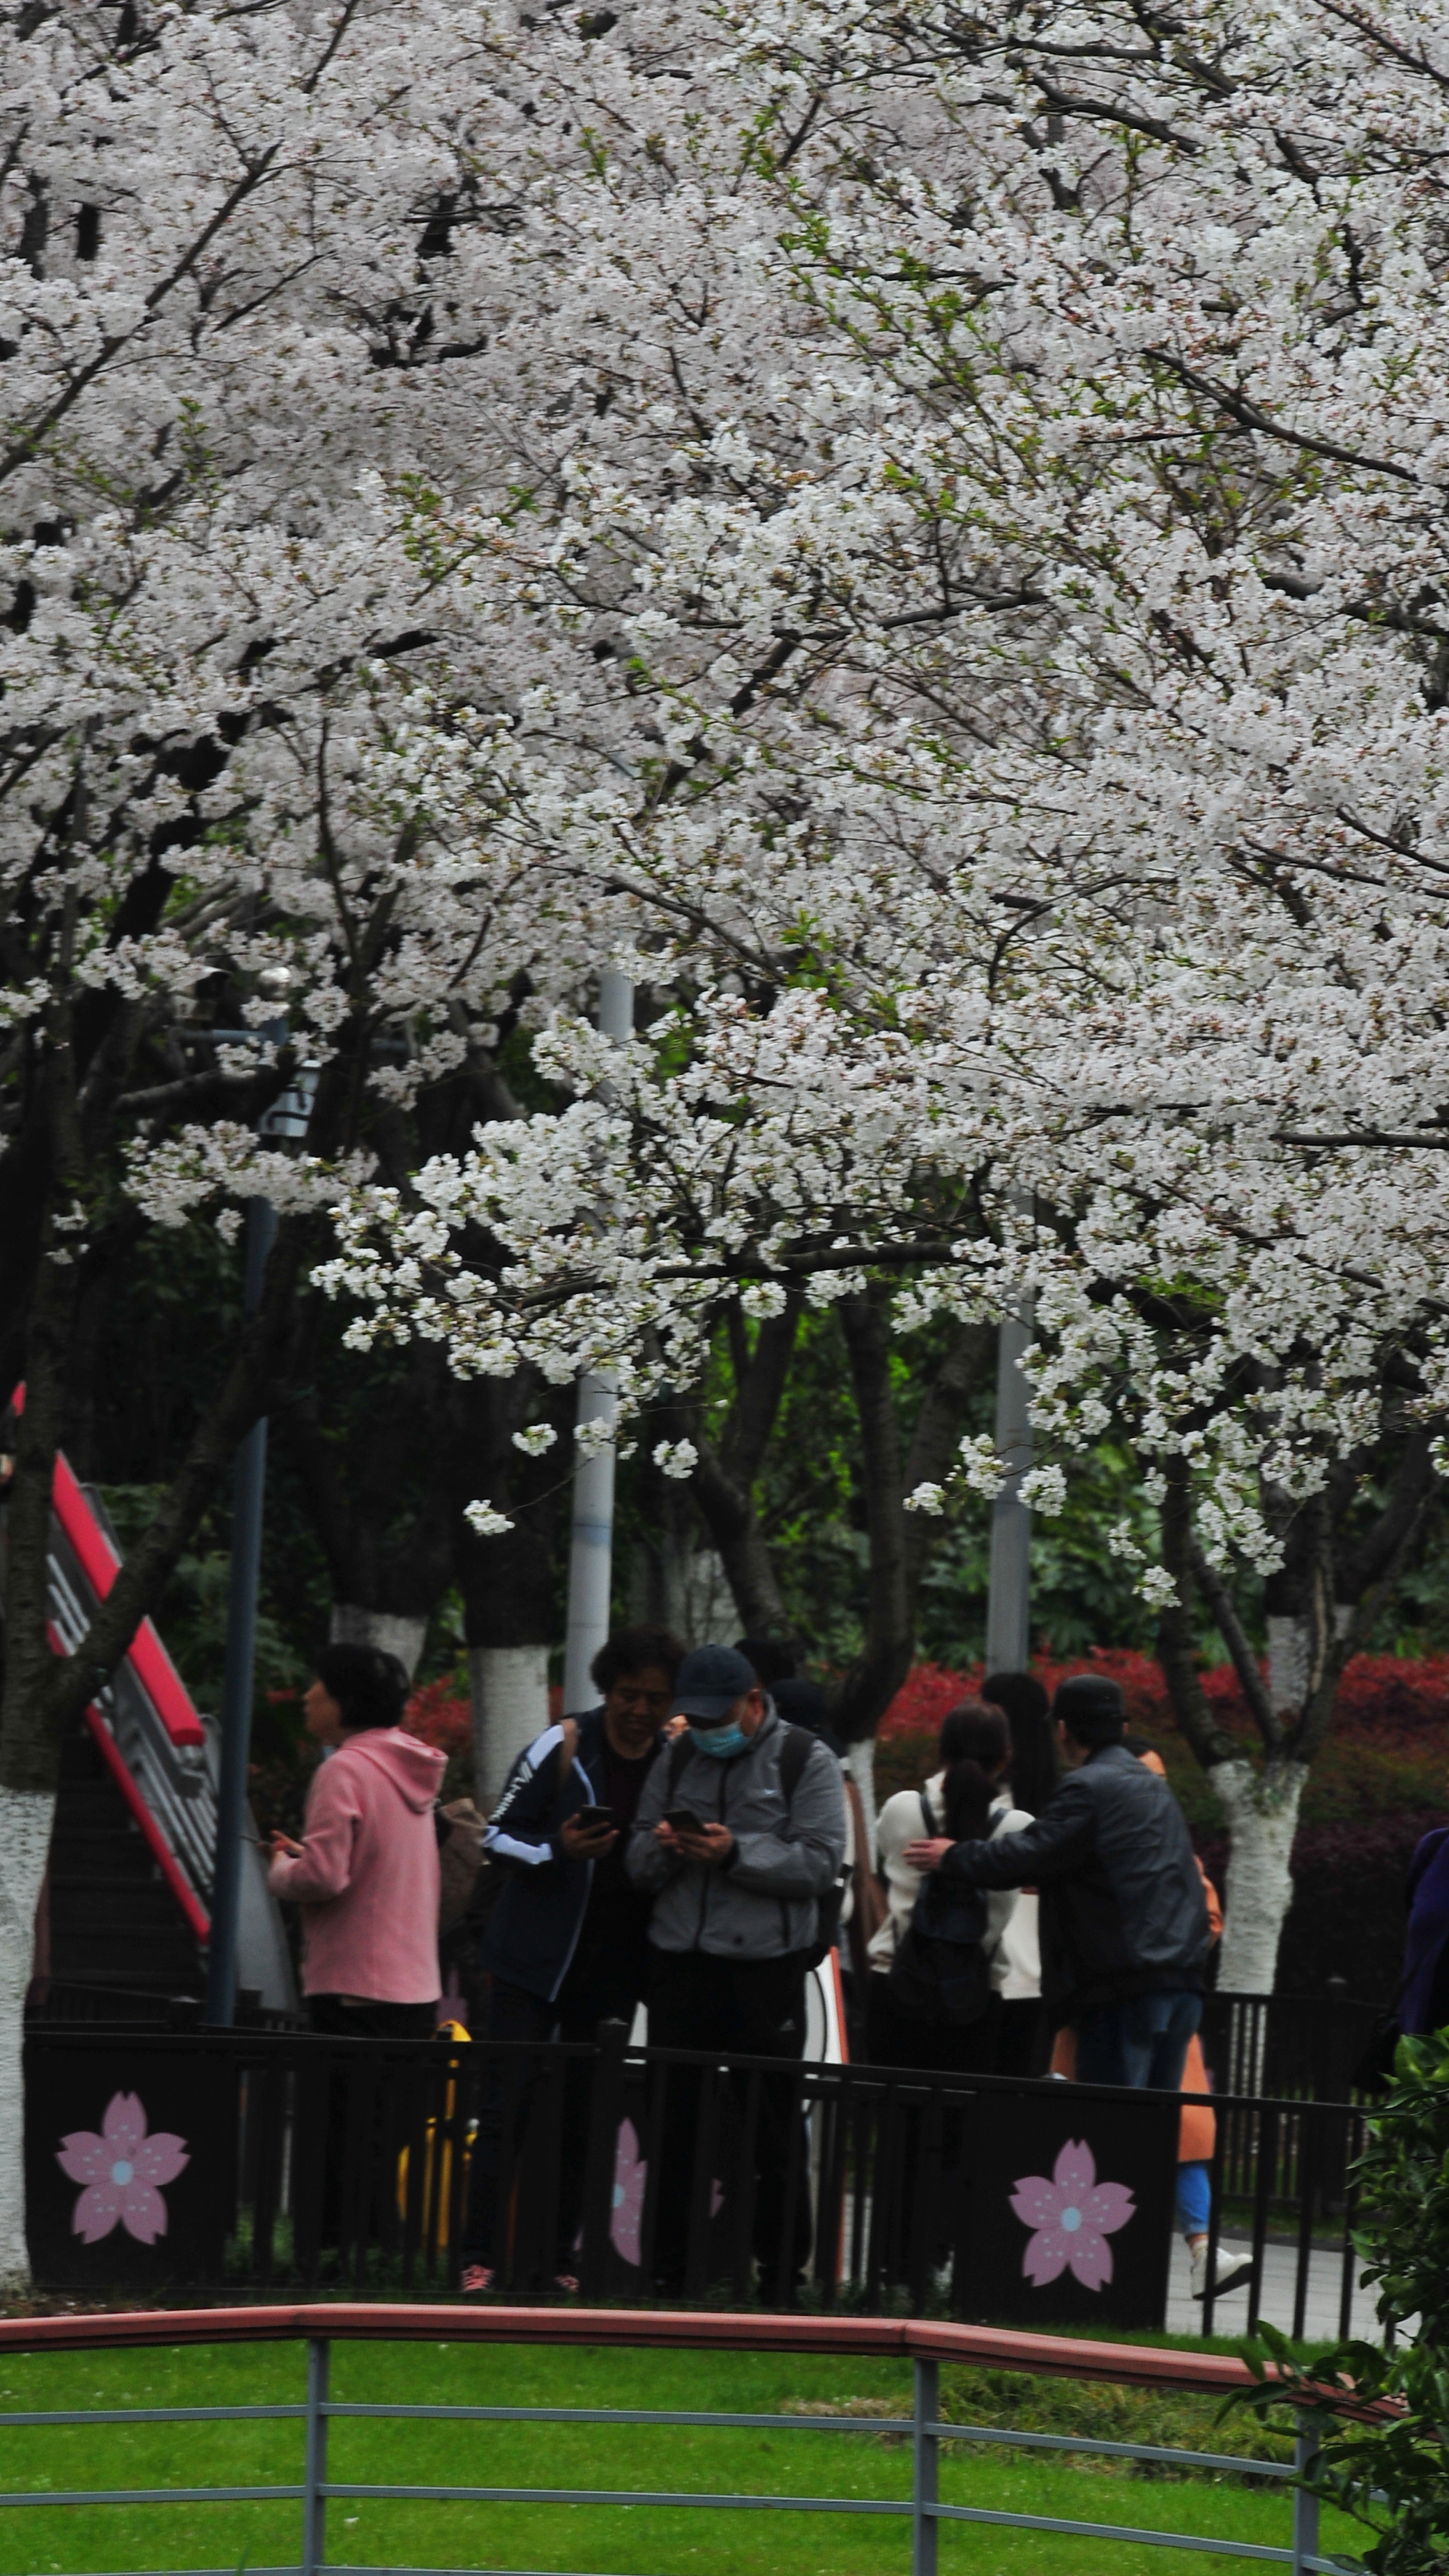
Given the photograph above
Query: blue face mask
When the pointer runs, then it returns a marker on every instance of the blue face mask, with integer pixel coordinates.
(720, 1741)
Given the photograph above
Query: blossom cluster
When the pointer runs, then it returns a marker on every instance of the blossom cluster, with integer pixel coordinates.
(921, 540)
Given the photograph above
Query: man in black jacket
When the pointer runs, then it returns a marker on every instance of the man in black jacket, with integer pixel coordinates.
(567, 1939)
(1124, 1927)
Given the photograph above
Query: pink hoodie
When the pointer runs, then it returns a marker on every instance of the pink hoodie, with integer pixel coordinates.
(367, 1878)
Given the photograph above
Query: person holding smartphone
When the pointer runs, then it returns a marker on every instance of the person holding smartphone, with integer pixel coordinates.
(567, 1940)
(740, 1834)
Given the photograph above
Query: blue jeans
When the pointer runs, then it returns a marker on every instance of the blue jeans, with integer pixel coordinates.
(1194, 2199)
(1141, 2041)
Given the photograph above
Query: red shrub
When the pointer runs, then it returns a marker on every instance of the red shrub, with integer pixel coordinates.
(929, 1690)
(440, 1717)
(1383, 1695)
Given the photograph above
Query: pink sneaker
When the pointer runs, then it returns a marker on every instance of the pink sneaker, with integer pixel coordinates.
(475, 2278)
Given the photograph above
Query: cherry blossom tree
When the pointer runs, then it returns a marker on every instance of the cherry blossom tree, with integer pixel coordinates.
(919, 541)
(224, 355)
(1018, 722)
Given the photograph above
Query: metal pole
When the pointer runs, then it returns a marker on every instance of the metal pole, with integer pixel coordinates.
(241, 1644)
(926, 2481)
(1008, 1609)
(314, 2473)
(591, 1544)
(1305, 2504)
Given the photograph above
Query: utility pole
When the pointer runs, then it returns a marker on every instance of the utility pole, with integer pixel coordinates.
(1008, 1609)
(591, 1541)
(287, 1117)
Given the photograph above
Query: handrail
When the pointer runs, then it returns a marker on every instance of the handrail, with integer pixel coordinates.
(905, 2338)
(156, 1842)
(100, 1565)
(925, 2343)
(146, 1654)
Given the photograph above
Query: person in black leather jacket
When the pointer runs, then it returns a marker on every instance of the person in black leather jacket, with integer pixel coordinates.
(1124, 1927)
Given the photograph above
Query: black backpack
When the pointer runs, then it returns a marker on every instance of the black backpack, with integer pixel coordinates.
(940, 1972)
(794, 1754)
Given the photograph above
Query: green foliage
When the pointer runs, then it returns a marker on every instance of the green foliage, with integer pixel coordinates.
(1384, 2414)
(1081, 1595)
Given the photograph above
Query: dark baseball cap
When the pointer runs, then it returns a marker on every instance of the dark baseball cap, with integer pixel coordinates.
(711, 1679)
(1090, 1707)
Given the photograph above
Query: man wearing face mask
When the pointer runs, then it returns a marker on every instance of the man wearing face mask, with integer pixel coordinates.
(740, 1832)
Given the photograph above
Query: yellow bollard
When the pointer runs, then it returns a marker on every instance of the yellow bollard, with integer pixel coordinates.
(454, 2031)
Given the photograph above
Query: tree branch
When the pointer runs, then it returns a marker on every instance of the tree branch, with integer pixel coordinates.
(1208, 1741)
(1234, 1636)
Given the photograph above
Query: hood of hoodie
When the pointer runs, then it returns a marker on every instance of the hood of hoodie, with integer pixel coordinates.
(415, 1770)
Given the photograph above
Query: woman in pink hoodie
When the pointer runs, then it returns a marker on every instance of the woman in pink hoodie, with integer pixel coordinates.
(366, 1870)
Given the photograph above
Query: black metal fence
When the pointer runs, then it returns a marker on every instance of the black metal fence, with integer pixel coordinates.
(1290, 2047)
(259, 2162)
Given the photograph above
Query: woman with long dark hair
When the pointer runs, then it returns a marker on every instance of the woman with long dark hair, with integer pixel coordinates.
(1023, 2038)
(966, 1799)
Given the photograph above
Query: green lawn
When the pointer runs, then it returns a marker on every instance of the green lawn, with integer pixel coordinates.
(642, 2541)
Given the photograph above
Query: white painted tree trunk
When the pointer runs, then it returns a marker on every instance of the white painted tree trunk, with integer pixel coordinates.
(1262, 1813)
(860, 1762)
(710, 1616)
(1288, 1650)
(25, 1822)
(509, 1690)
(351, 1625)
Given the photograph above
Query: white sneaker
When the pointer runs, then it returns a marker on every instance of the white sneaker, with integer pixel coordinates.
(1233, 2273)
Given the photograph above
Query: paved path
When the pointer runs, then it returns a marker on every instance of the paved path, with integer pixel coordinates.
(1280, 2267)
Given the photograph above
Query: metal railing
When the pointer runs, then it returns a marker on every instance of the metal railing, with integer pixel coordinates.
(349, 2164)
(158, 1767)
(1292, 2047)
(926, 2345)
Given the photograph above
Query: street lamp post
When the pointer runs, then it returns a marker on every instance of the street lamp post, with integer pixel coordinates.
(591, 1542)
(287, 1117)
(1008, 1609)
(241, 1648)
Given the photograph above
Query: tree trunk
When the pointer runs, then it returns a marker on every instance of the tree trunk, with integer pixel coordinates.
(878, 1671)
(508, 1583)
(25, 1821)
(900, 1541)
(743, 1550)
(724, 1478)
(1290, 1655)
(860, 1762)
(1262, 1812)
(1310, 1638)
(508, 1686)
(392, 1630)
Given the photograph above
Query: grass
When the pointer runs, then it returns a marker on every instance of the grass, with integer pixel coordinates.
(615, 2541)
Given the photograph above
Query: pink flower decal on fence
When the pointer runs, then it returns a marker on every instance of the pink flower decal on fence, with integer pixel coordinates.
(120, 2170)
(1072, 2217)
(630, 2175)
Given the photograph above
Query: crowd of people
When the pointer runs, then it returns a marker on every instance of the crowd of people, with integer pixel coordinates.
(693, 1844)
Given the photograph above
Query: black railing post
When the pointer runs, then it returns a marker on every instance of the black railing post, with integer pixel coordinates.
(1216, 2173)
(606, 2113)
(1308, 2135)
(1268, 2134)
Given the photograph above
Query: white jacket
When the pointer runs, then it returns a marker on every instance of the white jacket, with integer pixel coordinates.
(901, 1822)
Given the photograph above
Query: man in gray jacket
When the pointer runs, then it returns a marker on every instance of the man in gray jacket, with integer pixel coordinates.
(740, 1832)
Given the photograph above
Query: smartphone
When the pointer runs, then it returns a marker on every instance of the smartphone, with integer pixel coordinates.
(683, 1819)
(592, 1817)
